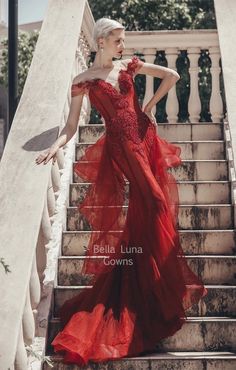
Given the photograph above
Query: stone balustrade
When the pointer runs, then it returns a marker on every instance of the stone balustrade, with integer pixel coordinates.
(33, 197)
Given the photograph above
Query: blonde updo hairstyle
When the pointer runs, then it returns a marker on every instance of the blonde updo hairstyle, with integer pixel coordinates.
(103, 28)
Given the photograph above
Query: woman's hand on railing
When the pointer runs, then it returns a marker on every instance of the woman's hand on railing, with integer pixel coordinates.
(47, 154)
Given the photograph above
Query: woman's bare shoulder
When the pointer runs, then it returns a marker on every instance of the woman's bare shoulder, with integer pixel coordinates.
(81, 77)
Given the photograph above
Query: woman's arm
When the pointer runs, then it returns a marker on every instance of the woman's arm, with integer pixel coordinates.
(169, 78)
(71, 125)
(66, 133)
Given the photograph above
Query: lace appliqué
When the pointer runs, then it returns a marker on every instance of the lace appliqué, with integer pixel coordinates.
(80, 88)
(134, 65)
(127, 125)
(125, 82)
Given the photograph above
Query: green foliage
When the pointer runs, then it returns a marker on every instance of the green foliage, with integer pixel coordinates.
(26, 46)
(157, 14)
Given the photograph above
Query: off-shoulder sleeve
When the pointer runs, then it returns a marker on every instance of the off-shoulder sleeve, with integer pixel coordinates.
(80, 88)
(134, 65)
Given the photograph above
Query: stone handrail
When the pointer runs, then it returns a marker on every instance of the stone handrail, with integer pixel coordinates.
(31, 197)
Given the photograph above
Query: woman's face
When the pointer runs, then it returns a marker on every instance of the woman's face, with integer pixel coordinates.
(114, 43)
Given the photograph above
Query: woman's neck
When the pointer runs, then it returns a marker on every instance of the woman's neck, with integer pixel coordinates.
(103, 62)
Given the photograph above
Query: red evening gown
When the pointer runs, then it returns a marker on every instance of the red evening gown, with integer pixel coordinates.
(142, 284)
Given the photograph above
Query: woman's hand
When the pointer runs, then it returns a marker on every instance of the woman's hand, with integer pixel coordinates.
(47, 154)
(150, 114)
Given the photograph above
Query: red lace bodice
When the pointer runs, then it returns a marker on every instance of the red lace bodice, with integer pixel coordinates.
(124, 118)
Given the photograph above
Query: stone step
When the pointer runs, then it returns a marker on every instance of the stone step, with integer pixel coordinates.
(191, 170)
(160, 361)
(190, 192)
(190, 217)
(214, 270)
(171, 132)
(193, 242)
(220, 300)
(210, 334)
(189, 149)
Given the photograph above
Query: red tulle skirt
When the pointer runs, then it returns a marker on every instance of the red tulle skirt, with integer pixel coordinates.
(142, 284)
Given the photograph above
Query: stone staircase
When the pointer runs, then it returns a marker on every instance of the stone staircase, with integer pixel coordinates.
(206, 225)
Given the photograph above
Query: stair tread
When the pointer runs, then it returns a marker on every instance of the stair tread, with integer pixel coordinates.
(187, 256)
(183, 160)
(180, 205)
(178, 181)
(205, 123)
(174, 355)
(180, 230)
(67, 287)
(171, 141)
(188, 319)
(205, 160)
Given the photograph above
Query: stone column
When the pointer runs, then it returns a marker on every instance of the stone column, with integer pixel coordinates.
(172, 105)
(194, 103)
(216, 104)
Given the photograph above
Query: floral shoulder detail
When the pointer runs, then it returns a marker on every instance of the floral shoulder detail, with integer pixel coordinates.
(134, 65)
(80, 88)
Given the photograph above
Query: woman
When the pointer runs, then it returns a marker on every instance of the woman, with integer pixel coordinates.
(142, 284)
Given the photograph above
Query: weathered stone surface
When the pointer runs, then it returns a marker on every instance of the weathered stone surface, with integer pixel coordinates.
(189, 149)
(212, 269)
(196, 334)
(218, 242)
(220, 301)
(190, 217)
(201, 170)
(189, 192)
(175, 361)
(78, 192)
(69, 272)
(193, 170)
(174, 132)
(205, 217)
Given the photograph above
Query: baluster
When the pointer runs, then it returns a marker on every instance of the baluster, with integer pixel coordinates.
(60, 158)
(34, 285)
(56, 179)
(216, 104)
(172, 104)
(194, 103)
(129, 53)
(65, 114)
(41, 253)
(21, 359)
(149, 56)
(35, 292)
(50, 198)
(46, 223)
(28, 323)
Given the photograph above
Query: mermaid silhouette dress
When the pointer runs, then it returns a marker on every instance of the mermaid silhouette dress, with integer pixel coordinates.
(141, 282)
